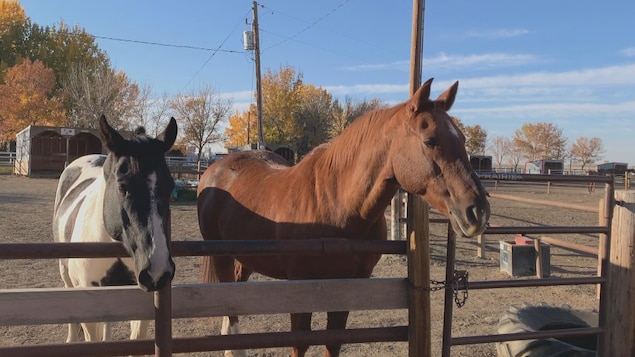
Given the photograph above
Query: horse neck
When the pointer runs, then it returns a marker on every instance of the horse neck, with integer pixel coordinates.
(360, 174)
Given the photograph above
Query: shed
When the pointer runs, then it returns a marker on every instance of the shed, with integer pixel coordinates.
(46, 150)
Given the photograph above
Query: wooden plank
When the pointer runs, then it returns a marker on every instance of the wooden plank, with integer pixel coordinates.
(617, 311)
(43, 306)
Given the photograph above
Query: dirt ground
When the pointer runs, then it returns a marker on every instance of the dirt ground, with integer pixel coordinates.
(26, 206)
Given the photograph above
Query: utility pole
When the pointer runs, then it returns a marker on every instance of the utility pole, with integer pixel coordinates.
(254, 25)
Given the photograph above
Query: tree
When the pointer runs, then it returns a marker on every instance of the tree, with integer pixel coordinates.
(202, 113)
(475, 137)
(515, 155)
(313, 117)
(151, 113)
(500, 148)
(541, 141)
(346, 113)
(242, 128)
(27, 98)
(91, 93)
(281, 102)
(587, 151)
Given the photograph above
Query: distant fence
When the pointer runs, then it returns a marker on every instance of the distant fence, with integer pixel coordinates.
(7, 158)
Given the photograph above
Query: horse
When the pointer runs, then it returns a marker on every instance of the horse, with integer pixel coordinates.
(123, 196)
(340, 189)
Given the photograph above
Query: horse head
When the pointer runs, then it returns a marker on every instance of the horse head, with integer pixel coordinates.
(431, 161)
(136, 206)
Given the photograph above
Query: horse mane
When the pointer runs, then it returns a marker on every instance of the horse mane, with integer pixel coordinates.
(365, 130)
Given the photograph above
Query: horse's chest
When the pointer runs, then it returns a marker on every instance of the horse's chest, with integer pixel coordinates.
(101, 272)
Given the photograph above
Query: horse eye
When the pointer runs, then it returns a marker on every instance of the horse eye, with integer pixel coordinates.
(430, 143)
(123, 188)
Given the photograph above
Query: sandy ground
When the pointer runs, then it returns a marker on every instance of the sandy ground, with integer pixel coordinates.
(26, 211)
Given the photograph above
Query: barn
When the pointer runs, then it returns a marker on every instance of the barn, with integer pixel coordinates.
(46, 150)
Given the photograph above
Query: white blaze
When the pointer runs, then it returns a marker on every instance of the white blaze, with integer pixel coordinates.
(159, 254)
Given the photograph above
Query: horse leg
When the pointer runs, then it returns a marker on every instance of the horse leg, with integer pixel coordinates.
(300, 322)
(73, 327)
(226, 269)
(336, 320)
(139, 329)
(107, 333)
(93, 331)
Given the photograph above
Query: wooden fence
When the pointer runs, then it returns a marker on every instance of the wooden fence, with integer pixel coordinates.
(615, 333)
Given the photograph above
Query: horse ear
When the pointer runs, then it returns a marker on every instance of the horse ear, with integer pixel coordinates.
(421, 96)
(110, 138)
(168, 136)
(448, 96)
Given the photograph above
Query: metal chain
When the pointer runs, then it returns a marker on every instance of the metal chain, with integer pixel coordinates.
(459, 283)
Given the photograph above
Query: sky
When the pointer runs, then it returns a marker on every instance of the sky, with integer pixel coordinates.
(571, 63)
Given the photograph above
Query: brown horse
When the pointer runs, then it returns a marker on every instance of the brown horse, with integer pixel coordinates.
(340, 189)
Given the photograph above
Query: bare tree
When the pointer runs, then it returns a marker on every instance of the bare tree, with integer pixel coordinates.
(202, 113)
(587, 151)
(500, 147)
(91, 93)
(516, 154)
(151, 113)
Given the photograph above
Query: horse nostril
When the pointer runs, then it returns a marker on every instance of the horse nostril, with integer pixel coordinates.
(145, 281)
(473, 214)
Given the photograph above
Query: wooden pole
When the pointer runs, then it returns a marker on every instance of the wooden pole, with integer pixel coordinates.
(538, 249)
(261, 137)
(619, 312)
(163, 310)
(419, 326)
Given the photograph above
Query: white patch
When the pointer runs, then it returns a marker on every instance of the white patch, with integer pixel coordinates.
(227, 328)
(453, 130)
(159, 254)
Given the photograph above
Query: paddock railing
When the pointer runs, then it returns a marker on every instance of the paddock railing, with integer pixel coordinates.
(603, 228)
(41, 306)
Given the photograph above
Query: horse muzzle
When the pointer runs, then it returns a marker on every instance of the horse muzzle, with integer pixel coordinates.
(151, 281)
(472, 221)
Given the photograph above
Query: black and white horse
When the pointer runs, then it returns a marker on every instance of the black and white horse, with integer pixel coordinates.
(124, 197)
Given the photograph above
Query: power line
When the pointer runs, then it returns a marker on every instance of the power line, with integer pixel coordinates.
(218, 49)
(307, 27)
(166, 44)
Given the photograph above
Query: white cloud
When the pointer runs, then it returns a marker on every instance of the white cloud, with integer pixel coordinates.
(367, 88)
(496, 34)
(488, 60)
(442, 60)
(628, 52)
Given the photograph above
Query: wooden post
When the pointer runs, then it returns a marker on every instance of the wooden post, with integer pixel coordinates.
(163, 310)
(480, 246)
(395, 217)
(618, 310)
(601, 241)
(538, 249)
(549, 183)
(419, 337)
(419, 325)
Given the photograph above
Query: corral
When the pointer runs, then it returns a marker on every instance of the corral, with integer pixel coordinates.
(26, 216)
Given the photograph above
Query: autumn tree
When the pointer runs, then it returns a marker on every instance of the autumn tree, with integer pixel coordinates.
(281, 102)
(475, 137)
(587, 151)
(91, 93)
(153, 113)
(201, 114)
(313, 117)
(242, 129)
(59, 47)
(27, 98)
(541, 141)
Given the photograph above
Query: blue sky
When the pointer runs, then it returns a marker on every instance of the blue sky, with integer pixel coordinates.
(567, 62)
